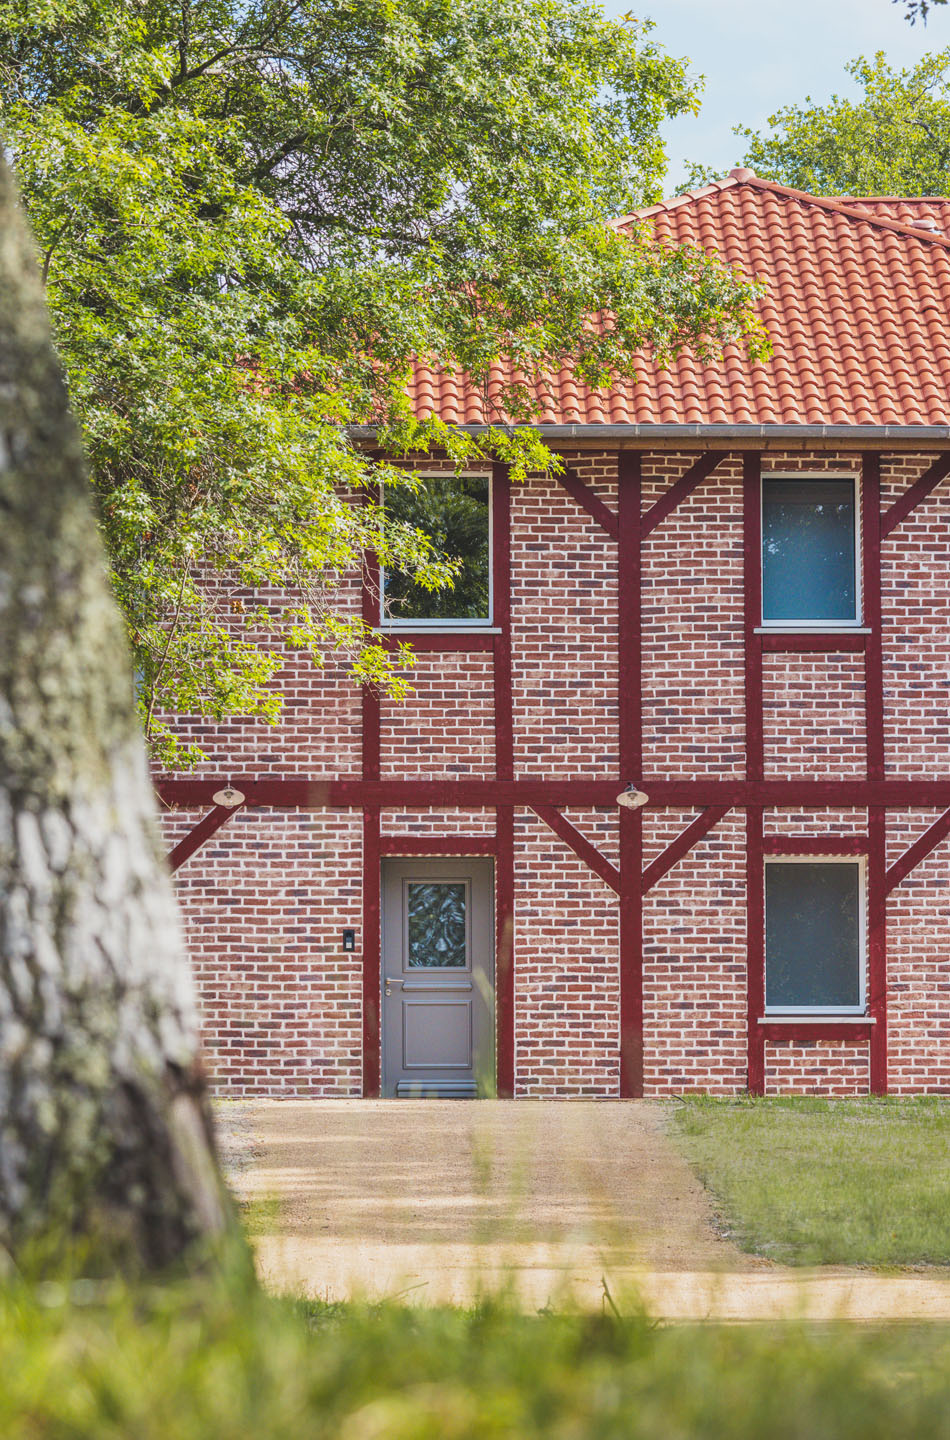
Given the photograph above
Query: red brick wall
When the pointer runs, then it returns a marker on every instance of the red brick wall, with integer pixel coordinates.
(694, 925)
(563, 629)
(265, 904)
(692, 626)
(444, 728)
(814, 716)
(567, 977)
(915, 583)
(319, 729)
(816, 1067)
(267, 898)
(919, 964)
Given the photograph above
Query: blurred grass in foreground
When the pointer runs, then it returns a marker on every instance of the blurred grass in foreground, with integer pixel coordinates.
(809, 1181)
(209, 1363)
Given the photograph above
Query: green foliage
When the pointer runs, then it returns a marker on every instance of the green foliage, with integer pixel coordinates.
(894, 140)
(813, 1181)
(195, 1364)
(252, 214)
(455, 514)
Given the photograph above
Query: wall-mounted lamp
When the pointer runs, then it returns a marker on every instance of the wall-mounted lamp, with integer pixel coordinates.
(228, 798)
(632, 798)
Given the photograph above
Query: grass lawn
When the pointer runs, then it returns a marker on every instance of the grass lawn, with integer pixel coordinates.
(809, 1181)
(177, 1363)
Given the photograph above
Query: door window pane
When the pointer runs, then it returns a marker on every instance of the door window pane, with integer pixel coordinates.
(812, 936)
(808, 559)
(436, 925)
(453, 510)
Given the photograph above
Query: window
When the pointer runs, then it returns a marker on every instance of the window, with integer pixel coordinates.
(814, 936)
(809, 551)
(455, 512)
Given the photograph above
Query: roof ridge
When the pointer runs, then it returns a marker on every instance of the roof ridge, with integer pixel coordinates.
(839, 207)
(675, 201)
(892, 199)
(836, 205)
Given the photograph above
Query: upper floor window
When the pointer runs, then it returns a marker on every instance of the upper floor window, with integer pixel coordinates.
(809, 551)
(814, 936)
(454, 511)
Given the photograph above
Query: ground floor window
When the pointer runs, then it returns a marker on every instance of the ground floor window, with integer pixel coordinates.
(814, 936)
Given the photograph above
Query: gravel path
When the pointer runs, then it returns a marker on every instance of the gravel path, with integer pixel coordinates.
(553, 1202)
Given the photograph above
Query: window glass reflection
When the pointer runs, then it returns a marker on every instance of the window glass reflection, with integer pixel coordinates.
(453, 510)
(436, 911)
(808, 559)
(812, 935)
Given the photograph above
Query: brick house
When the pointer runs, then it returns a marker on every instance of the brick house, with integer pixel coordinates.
(734, 601)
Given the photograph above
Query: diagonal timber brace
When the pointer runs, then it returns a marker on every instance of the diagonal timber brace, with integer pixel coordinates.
(591, 502)
(679, 491)
(913, 497)
(203, 831)
(579, 843)
(682, 845)
(920, 849)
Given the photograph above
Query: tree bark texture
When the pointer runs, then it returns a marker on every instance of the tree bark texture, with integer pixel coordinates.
(105, 1136)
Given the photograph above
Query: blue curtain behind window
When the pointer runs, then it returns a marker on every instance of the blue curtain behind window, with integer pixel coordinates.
(808, 561)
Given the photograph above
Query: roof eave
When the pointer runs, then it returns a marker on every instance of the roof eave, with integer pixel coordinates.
(730, 436)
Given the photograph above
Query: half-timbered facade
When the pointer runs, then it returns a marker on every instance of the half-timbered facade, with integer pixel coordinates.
(734, 601)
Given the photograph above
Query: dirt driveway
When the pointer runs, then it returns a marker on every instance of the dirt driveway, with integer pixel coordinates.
(440, 1201)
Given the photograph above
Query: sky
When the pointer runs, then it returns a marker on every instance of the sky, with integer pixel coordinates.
(760, 55)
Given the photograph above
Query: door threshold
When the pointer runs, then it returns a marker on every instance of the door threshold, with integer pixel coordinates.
(436, 1090)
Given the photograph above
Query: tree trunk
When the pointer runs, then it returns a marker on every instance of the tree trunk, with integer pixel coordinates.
(105, 1134)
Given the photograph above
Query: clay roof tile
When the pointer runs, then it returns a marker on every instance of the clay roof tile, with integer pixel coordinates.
(857, 306)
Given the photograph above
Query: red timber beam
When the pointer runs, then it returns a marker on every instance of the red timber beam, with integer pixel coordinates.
(920, 849)
(681, 846)
(588, 500)
(372, 920)
(872, 528)
(809, 1030)
(315, 794)
(630, 754)
(579, 843)
(754, 767)
(911, 498)
(804, 644)
(816, 844)
(438, 642)
(679, 491)
(503, 706)
(877, 948)
(203, 831)
(438, 844)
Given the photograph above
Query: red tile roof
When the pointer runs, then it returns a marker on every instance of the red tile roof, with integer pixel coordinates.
(857, 306)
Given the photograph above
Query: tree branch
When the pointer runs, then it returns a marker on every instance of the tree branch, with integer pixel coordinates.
(164, 657)
(49, 254)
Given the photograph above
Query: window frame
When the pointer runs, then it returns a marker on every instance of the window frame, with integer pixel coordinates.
(798, 627)
(811, 1011)
(440, 625)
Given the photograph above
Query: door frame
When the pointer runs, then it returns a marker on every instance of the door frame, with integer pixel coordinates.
(498, 846)
(423, 853)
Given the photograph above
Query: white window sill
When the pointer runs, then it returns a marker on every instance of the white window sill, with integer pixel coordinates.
(410, 630)
(824, 1019)
(813, 630)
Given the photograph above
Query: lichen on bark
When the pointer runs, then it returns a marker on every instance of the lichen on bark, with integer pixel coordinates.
(105, 1134)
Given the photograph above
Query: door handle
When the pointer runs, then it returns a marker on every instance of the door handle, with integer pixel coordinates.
(392, 980)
